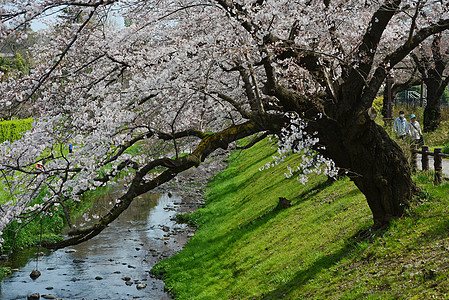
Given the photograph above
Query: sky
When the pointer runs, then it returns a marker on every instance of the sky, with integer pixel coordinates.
(41, 23)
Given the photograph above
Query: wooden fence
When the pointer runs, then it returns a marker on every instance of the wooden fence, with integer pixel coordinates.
(437, 161)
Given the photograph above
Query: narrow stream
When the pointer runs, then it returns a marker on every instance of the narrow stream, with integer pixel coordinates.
(113, 265)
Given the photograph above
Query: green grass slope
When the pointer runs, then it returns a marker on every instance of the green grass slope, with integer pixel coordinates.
(246, 247)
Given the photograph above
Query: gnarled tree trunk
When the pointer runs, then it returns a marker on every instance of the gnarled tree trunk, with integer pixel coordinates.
(382, 172)
(375, 163)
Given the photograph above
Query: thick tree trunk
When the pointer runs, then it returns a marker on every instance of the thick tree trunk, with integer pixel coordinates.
(357, 144)
(375, 163)
(432, 112)
(382, 173)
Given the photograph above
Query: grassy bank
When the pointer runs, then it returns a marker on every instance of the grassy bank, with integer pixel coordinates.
(246, 247)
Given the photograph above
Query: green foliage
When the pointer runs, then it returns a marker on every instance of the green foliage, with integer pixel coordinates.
(446, 148)
(438, 137)
(49, 225)
(188, 219)
(76, 209)
(320, 248)
(4, 271)
(424, 177)
(52, 224)
(4, 195)
(14, 64)
(424, 196)
(21, 64)
(13, 130)
(4, 65)
(128, 22)
(378, 103)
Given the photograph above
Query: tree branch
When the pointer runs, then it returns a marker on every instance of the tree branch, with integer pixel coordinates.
(62, 55)
(235, 104)
(413, 24)
(367, 49)
(138, 186)
(237, 11)
(181, 134)
(398, 55)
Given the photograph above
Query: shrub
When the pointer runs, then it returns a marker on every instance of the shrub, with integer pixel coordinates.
(446, 148)
(378, 104)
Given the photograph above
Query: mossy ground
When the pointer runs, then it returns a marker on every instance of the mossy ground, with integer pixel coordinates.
(246, 247)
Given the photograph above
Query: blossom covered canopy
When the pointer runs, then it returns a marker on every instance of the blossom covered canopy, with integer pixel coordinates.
(183, 65)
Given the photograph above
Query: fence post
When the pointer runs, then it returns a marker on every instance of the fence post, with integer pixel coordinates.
(414, 157)
(425, 158)
(438, 164)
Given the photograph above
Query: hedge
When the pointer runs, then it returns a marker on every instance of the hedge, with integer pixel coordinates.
(13, 130)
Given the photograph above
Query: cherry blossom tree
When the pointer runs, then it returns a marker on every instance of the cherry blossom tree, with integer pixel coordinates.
(428, 64)
(306, 71)
(432, 62)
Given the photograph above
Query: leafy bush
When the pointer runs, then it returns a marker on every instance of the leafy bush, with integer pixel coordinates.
(446, 148)
(440, 136)
(378, 104)
(41, 228)
(4, 271)
(13, 130)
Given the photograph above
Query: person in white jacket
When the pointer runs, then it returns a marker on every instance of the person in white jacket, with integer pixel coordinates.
(400, 126)
(414, 131)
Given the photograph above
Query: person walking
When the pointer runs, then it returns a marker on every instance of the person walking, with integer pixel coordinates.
(415, 133)
(400, 126)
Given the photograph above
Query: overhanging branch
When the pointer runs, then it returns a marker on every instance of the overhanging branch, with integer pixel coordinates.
(138, 186)
(398, 55)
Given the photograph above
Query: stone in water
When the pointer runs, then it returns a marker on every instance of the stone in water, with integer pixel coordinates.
(35, 274)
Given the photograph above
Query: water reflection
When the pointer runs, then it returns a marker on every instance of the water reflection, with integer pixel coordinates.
(96, 268)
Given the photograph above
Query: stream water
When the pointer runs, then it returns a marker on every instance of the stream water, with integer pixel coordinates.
(113, 265)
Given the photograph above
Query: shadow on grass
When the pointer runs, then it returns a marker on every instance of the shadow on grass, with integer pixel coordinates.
(302, 277)
(437, 229)
(227, 186)
(325, 262)
(275, 210)
(318, 188)
(222, 242)
(364, 235)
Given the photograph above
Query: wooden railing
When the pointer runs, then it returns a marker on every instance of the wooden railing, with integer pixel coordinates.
(437, 161)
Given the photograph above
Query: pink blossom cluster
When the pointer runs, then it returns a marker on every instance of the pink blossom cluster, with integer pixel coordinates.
(176, 65)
